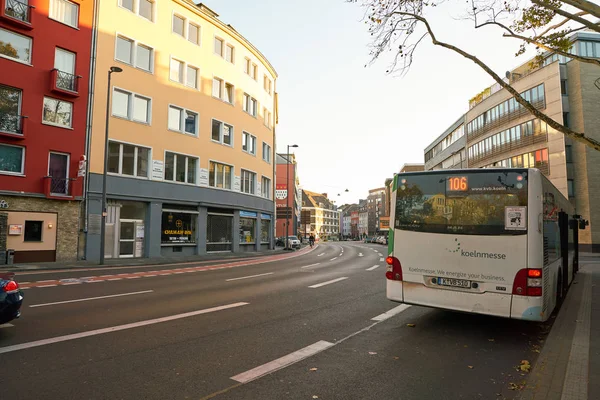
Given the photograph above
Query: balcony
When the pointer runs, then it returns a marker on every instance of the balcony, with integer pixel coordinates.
(60, 188)
(485, 157)
(503, 119)
(17, 12)
(64, 83)
(12, 125)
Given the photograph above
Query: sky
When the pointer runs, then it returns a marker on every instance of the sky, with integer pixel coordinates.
(356, 126)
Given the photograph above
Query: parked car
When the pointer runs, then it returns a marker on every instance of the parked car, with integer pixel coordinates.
(11, 298)
(294, 242)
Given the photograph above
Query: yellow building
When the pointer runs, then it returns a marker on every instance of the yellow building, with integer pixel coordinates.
(191, 133)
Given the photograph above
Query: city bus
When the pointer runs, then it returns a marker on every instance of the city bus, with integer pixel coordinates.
(488, 241)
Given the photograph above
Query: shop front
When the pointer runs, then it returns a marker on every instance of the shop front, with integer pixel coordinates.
(266, 231)
(178, 232)
(248, 230)
(219, 230)
(125, 229)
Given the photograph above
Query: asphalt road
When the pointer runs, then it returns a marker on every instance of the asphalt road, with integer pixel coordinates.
(307, 327)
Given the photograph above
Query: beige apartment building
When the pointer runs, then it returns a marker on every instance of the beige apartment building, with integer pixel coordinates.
(191, 134)
(501, 133)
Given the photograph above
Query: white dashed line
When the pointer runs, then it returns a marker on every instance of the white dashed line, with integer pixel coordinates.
(90, 298)
(318, 285)
(46, 285)
(373, 267)
(51, 280)
(320, 254)
(6, 326)
(334, 258)
(391, 313)
(381, 259)
(380, 255)
(58, 339)
(360, 254)
(71, 283)
(133, 277)
(248, 277)
(311, 265)
(148, 276)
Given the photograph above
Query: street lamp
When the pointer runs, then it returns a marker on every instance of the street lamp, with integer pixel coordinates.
(103, 225)
(287, 214)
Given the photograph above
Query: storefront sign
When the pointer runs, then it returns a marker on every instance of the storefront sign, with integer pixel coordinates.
(82, 168)
(248, 214)
(384, 223)
(178, 227)
(3, 204)
(280, 191)
(157, 170)
(265, 216)
(15, 230)
(94, 224)
(203, 177)
(237, 183)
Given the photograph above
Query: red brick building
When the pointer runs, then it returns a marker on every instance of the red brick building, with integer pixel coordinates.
(282, 193)
(45, 53)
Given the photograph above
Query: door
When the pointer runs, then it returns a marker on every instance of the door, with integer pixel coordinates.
(64, 62)
(58, 169)
(131, 238)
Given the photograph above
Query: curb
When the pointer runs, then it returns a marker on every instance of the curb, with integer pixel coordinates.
(561, 371)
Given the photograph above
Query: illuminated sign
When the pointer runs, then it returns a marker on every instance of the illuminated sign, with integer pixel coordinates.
(457, 183)
(384, 223)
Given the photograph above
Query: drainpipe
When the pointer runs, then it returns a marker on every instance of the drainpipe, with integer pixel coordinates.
(90, 114)
(274, 160)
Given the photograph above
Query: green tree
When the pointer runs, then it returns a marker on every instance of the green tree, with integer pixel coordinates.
(400, 26)
(8, 50)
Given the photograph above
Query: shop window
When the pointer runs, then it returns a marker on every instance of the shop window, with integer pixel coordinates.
(265, 230)
(219, 233)
(247, 230)
(33, 231)
(178, 227)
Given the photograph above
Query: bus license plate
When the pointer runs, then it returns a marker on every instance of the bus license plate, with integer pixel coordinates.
(454, 282)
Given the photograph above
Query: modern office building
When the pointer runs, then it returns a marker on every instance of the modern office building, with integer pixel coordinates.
(449, 149)
(500, 132)
(324, 215)
(376, 208)
(190, 136)
(44, 74)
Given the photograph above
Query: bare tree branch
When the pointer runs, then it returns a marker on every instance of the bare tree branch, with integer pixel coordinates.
(574, 17)
(556, 26)
(585, 5)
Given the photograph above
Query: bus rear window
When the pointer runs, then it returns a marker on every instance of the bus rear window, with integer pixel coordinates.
(468, 203)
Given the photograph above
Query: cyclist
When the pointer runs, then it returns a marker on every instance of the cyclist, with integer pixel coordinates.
(311, 240)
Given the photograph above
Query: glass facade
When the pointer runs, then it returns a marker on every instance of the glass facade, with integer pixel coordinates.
(219, 233)
(247, 230)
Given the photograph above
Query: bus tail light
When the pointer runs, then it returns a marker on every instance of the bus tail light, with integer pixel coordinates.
(528, 282)
(394, 271)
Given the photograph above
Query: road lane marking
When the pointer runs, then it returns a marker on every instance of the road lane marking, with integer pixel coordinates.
(114, 279)
(51, 280)
(381, 259)
(133, 277)
(47, 286)
(373, 267)
(380, 255)
(6, 326)
(334, 258)
(248, 277)
(58, 339)
(282, 362)
(318, 285)
(71, 283)
(320, 254)
(311, 265)
(90, 298)
(391, 313)
(360, 254)
(340, 254)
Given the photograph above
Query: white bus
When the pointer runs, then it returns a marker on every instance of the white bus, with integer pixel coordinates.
(487, 241)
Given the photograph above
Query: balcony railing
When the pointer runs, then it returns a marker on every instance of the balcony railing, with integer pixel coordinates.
(495, 151)
(60, 188)
(65, 82)
(17, 11)
(11, 124)
(503, 119)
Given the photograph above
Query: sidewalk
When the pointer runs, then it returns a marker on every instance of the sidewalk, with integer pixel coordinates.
(568, 367)
(126, 262)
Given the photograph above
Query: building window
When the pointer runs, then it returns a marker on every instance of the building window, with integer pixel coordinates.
(571, 187)
(131, 106)
(248, 182)
(10, 110)
(266, 152)
(248, 143)
(58, 112)
(183, 121)
(191, 79)
(265, 187)
(128, 4)
(250, 104)
(176, 70)
(178, 227)
(64, 11)
(254, 72)
(219, 46)
(265, 229)
(267, 117)
(563, 87)
(219, 233)
(569, 153)
(566, 119)
(12, 159)
(33, 231)
(135, 54)
(179, 25)
(247, 65)
(183, 73)
(230, 53)
(194, 33)
(219, 175)
(15, 46)
(127, 159)
(180, 168)
(268, 84)
(146, 9)
(222, 133)
(223, 90)
(247, 230)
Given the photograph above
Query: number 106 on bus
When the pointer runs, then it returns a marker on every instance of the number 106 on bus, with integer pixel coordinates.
(458, 183)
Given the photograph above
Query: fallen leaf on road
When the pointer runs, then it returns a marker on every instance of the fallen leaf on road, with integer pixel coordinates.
(396, 358)
(315, 396)
(470, 366)
(491, 340)
(411, 325)
(525, 366)
(372, 353)
(465, 345)
(313, 369)
(512, 386)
